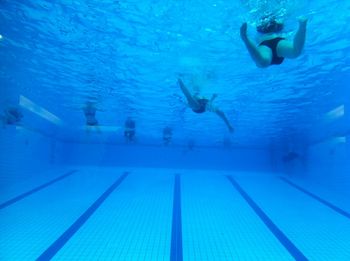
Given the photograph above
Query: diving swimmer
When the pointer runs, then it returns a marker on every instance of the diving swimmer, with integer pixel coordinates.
(273, 48)
(200, 104)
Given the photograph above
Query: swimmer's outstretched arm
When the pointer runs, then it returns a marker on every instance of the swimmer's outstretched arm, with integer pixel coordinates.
(224, 118)
(191, 101)
(299, 38)
(260, 58)
(288, 49)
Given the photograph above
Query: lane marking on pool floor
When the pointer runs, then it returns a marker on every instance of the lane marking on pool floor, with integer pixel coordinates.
(283, 239)
(176, 230)
(51, 251)
(317, 198)
(34, 190)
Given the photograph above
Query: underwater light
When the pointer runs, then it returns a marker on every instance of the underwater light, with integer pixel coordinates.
(1, 37)
(38, 110)
(335, 113)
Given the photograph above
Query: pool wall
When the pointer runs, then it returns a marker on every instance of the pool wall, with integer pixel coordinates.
(26, 151)
(29, 150)
(164, 157)
(23, 151)
(329, 162)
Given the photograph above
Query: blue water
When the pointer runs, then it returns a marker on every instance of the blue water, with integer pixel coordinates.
(277, 188)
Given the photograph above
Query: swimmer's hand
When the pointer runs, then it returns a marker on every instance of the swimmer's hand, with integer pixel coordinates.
(243, 31)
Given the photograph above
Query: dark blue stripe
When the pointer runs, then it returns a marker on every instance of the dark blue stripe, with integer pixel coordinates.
(63, 239)
(324, 202)
(176, 231)
(292, 249)
(30, 192)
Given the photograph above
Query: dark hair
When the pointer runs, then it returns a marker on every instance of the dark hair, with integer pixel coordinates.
(269, 25)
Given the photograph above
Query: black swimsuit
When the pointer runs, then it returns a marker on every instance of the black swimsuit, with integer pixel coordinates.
(90, 117)
(272, 44)
(202, 106)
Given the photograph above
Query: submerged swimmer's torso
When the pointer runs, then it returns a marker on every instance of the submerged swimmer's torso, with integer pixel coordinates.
(202, 105)
(271, 41)
(90, 116)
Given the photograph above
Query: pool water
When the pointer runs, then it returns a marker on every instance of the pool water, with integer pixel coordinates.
(101, 157)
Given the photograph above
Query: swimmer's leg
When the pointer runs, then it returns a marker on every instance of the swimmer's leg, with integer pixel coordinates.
(261, 55)
(224, 118)
(98, 129)
(191, 101)
(288, 49)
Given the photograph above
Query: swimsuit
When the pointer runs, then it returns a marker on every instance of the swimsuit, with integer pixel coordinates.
(89, 113)
(90, 116)
(202, 106)
(91, 121)
(272, 44)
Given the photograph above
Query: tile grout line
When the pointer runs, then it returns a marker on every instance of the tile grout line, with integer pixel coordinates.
(283, 239)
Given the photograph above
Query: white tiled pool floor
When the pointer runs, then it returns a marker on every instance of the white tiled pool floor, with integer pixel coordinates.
(94, 214)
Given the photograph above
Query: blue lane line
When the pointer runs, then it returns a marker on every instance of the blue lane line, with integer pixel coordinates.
(323, 201)
(176, 231)
(68, 234)
(292, 249)
(30, 192)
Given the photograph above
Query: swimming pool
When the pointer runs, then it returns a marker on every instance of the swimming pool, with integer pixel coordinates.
(115, 213)
(102, 158)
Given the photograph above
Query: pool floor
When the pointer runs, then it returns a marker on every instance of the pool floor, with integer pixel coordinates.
(86, 213)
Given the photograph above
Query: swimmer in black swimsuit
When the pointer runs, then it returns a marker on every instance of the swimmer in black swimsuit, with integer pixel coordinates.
(273, 48)
(129, 130)
(167, 135)
(201, 104)
(90, 116)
